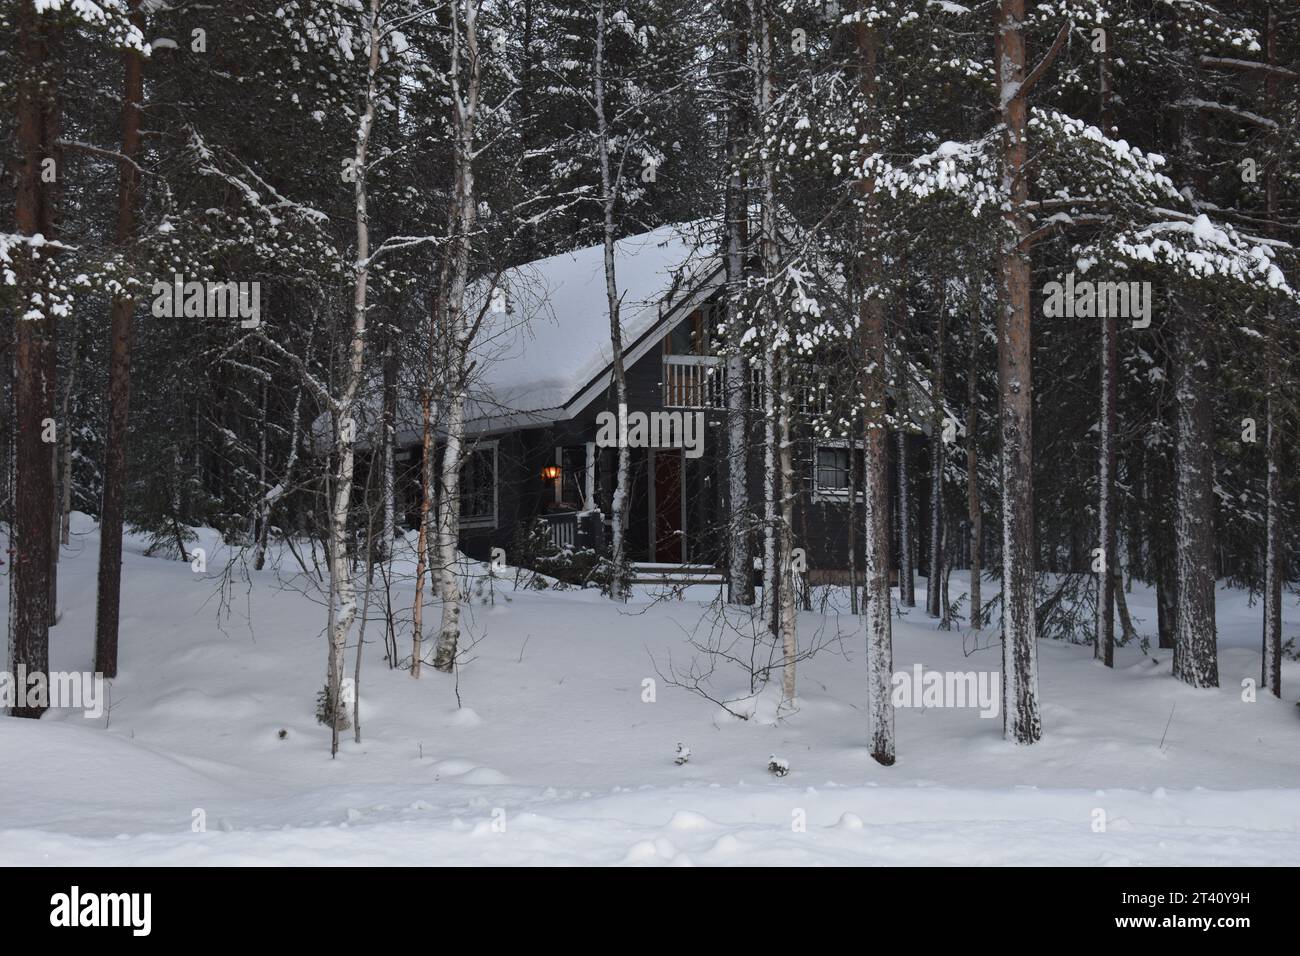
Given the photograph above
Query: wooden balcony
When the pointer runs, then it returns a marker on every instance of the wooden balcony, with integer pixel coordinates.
(700, 381)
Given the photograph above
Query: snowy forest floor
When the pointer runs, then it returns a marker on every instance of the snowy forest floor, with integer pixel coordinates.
(554, 758)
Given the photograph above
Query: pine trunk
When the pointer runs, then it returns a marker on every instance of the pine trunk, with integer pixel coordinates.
(973, 512)
(906, 575)
(30, 573)
(934, 571)
(1022, 721)
(1271, 663)
(1104, 643)
(1196, 660)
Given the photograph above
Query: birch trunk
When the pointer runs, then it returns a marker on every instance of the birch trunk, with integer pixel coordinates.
(343, 596)
(465, 92)
(789, 620)
(759, 57)
(388, 480)
(778, 395)
(609, 184)
(871, 320)
(427, 414)
(740, 558)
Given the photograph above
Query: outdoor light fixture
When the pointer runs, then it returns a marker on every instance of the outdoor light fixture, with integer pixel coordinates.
(550, 472)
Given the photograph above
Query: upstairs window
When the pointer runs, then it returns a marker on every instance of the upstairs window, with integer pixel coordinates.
(691, 335)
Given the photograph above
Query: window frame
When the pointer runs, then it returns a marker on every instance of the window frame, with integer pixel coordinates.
(836, 495)
(484, 521)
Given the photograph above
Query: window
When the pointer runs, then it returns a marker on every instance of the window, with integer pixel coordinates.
(832, 477)
(832, 469)
(478, 487)
(691, 335)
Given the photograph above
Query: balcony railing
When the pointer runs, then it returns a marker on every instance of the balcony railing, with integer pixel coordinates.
(576, 530)
(700, 381)
(694, 381)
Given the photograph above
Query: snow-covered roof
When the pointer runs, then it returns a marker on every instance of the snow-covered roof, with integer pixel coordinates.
(539, 358)
(549, 337)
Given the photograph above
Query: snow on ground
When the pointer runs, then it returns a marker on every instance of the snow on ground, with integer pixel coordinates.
(553, 757)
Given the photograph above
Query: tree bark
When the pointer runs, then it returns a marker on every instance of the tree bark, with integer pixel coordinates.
(778, 395)
(740, 557)
(609, 186)
(388, 480)
(873, 348)
(973, 511)
(934, 572)
(34, 503)
(1196, 660)
(465, 96)
(112, 503)
(65, 479)
(343, 597)
(906, 575)
(1271, 661)
(1022, 721)
(1104, 642)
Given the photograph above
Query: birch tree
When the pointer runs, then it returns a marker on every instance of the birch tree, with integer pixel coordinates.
(463, 77)
(740, 560)
(874, 351)
(610, 181)
(343, 596)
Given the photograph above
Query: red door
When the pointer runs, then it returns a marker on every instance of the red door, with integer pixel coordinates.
(669, 533)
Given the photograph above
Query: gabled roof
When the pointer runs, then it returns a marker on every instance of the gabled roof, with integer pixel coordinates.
(539, 359)
(547, 354)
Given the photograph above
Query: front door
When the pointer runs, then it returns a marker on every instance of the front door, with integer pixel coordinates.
(668, 523)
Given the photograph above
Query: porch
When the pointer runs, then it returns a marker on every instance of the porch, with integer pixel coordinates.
(673, 517)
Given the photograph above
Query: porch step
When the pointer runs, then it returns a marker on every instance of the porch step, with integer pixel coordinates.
(677, 575)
